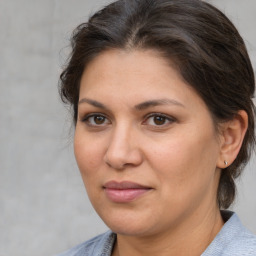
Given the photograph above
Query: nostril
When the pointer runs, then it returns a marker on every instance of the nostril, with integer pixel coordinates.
(121, 160)
(115, 161)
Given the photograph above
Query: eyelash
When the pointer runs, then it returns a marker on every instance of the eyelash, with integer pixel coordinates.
(94, 115)
(165, 118)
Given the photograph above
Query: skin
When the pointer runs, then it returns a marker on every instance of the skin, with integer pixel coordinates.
(178, 155)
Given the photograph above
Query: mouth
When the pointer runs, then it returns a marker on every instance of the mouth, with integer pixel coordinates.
(125, 191)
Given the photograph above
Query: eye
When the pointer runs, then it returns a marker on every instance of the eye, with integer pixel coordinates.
(158, 120)
(96, 120)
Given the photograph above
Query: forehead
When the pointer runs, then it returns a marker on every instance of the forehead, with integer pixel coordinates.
(133, 69)
(128, 78)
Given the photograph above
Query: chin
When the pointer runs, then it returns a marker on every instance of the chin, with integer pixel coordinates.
(130, 224)
(130, 230)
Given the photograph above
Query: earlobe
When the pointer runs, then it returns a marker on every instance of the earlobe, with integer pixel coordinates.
(232, 133)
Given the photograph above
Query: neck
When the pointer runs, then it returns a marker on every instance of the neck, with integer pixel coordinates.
(191, 238)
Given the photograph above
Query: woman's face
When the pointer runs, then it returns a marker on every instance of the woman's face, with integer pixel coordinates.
(145, 144)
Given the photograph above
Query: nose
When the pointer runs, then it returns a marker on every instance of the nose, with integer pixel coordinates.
(123, 149)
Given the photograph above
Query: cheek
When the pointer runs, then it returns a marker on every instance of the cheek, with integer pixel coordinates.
(182, 162)
(88, 153)
(89, 157)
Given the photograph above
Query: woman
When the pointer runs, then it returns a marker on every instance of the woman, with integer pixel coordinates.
(164, 122)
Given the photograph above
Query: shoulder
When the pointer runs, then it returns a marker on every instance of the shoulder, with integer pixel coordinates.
(243, 243)
(233, 239)
(96, 246)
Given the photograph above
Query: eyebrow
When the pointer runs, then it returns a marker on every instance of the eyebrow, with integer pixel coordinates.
(93, 103)
(159, 102)
(141, 106)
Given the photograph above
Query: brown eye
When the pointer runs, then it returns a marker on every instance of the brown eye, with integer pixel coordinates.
(156, 119)
(99, 119)
(96, 120)
(159, 120)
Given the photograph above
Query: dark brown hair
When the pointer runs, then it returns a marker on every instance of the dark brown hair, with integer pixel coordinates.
(200, 40)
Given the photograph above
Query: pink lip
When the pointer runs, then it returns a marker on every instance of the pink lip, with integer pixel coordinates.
(123, 192)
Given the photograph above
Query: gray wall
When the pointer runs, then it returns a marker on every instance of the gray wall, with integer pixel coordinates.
(43, 205)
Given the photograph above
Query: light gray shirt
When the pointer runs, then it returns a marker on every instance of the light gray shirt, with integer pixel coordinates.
(232, 240)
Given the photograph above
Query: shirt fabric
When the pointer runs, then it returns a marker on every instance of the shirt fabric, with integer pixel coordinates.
(232, 240)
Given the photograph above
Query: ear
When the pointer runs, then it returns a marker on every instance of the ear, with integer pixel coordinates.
(232, 136)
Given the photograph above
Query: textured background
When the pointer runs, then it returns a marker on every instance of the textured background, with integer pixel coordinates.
(43, 205)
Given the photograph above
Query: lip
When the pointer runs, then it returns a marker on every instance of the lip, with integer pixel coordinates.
(125, 191)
